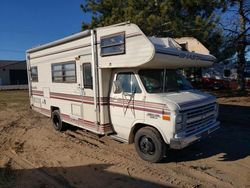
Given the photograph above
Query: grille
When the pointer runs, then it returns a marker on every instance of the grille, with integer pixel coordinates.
(199, 118)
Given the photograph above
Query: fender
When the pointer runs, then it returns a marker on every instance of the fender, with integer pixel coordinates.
(139, 124)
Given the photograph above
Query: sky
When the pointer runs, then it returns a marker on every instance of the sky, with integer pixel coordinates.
(28, 23)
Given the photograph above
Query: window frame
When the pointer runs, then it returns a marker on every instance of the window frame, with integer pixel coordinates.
(165, 79)
(34, 78)
(131, 73)
(86, 86)
(63, 70)
(113, 45)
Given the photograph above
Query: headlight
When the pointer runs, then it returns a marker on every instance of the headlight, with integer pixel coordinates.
(178, 122)
(178, 127)
(179, 118)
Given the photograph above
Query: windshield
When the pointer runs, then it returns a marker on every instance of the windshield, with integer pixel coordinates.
(163, 80)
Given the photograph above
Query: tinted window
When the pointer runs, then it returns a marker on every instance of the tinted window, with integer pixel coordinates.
(113, 40)
(128, 82)
(87, 76)
(152, 80)
(64, 72)
(160, 80)
(34, 74)
(113, 45)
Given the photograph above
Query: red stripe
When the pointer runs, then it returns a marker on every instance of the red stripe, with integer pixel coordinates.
(38, 94)
(75, 100)
(102, 99)
(86, 123)
(42, 110)
(140, 103)
(138, 108)
(142, 106)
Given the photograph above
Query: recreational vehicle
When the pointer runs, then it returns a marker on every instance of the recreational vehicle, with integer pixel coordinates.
(116, 81)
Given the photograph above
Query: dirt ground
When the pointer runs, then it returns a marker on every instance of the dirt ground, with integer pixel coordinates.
(33, 154)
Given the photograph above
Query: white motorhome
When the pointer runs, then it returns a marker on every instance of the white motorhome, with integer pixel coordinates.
(116, 81)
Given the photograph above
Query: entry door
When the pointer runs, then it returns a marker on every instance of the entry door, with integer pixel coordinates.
(126, 103)
(88, 97)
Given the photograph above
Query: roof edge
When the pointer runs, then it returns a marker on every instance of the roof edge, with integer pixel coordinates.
(60, 41)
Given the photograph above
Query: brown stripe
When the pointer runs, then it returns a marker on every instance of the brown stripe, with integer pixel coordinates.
(38, 94)
(140, 105)
(133, 35)
(103, 99)
(61, 51)
(138, 108)
(66, 117)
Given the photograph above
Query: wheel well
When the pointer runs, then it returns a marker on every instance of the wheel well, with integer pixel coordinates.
(135, 129)
(53, 108)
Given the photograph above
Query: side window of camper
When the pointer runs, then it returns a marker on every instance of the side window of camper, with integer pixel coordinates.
(87, 76)
(34, 74)
(127, 83)
(113, 44)
(64, 72)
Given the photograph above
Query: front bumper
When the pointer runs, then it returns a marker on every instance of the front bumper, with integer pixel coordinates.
(182, 142)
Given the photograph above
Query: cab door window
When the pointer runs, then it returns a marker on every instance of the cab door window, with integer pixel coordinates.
(128, 83)
(87, 76)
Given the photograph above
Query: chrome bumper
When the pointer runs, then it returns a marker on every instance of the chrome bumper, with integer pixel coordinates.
(182, 142)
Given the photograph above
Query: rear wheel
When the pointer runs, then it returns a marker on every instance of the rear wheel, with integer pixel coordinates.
(56, 121)
(149, 144)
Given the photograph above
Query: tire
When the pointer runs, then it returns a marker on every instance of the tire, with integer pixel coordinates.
(149, 144)
(56, 121)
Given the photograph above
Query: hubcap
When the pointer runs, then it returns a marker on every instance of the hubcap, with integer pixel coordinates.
(147, 145)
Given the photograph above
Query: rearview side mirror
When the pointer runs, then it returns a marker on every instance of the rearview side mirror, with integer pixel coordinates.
(117, 88)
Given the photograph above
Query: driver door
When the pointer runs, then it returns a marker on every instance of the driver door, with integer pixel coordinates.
(126, 103)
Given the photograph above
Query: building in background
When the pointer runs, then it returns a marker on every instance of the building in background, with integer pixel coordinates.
(13, 74)
(192, 45)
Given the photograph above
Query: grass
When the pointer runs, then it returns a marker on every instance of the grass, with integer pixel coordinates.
(14, 96)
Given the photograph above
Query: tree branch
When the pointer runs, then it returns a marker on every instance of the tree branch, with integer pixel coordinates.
(230, 30)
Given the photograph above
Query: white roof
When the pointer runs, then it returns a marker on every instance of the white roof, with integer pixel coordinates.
(193, 45)
(164, 43)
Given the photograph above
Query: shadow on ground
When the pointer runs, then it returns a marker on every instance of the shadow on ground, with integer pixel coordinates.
(94, 175)
(232, 140)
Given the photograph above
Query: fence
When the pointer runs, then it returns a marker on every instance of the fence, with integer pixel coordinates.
(13, 87)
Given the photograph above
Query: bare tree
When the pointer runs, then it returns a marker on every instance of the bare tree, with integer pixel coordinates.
(238, 33)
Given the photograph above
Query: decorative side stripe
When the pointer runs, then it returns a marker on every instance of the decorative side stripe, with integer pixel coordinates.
(197, 57)
(42, 110)
(103, 128)
(61, 51)
(36, 92)
(141, 108)
(137, 105)
(140, 103)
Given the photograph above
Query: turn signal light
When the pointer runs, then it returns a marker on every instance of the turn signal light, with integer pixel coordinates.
(166, 117)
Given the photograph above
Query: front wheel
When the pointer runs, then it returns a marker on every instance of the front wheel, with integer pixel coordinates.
(149, 144)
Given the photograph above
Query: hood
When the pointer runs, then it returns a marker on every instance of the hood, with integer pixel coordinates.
(185, 99)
